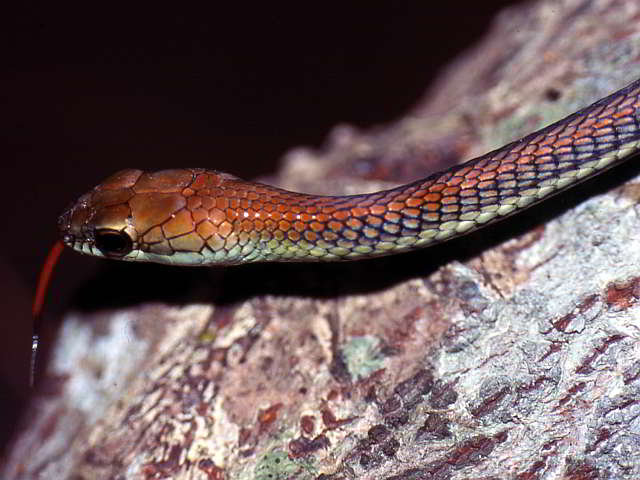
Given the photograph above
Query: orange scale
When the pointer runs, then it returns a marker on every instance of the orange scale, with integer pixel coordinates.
(584, 141)
(431, 217)
(359, 211)
(279, 235)
(270, 225)
(316, 226)
(154, 235)
(414, 202)
(225, 229)
(179, 224)
(305, 217)
(525, 159)
(216, 243)
(469, 184)
(245, 203)
(329, 236)
(507, 167)
(626, 112)
(290, 216)
(194, 202)
(392, 217)
(473, 174)
(299, 226)
(449, 200)
(411, 223)
(217, 216)
(231, 214)
(246, 226)
(282, 207)
(487, 176)
(321, 217)
(411, 212)
(395, 206)
(583, 132)
(284, 225)
(548, 140)
(391, 228)
(335, 226)
(456, 180)
(546, 150)
(234, 203)
(187, 192)
(199, 215)
(258, 225)
(310, 236)
(341, 215)
(267, 206)
(432, 206)
(293, 235)
(354, 223)
(451, 191)
(312, 210)
(206, 202)
(432, 197)
(370, 232)
(206, 229)
(350, 235)
(374, 221)
(328, 210)
(253, 195)
(486, 185)
(377, 209)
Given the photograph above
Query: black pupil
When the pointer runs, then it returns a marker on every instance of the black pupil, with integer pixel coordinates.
(111, 242)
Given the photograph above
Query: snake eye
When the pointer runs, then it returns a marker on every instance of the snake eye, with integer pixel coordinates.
(113, 243)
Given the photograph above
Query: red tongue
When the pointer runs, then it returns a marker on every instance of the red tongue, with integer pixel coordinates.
(39, 297)
(45, 277)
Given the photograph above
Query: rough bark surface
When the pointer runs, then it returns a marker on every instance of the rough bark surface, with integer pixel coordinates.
(512, 353)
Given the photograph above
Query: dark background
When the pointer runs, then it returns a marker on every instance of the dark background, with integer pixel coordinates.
(91, 90)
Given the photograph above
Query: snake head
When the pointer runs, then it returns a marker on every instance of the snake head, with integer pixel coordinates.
(135, 216)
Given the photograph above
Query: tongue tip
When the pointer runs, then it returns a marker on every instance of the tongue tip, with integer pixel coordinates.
(38, 301)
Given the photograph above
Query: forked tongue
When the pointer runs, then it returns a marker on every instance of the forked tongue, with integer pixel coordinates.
(38, 302)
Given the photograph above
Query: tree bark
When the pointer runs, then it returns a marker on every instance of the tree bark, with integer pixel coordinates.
(511, 353)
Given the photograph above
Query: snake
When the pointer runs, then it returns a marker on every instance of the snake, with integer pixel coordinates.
(197, 216)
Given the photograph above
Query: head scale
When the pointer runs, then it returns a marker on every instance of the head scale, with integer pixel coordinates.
(135, 216)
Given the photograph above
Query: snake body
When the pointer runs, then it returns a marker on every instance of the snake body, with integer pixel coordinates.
(194, 216)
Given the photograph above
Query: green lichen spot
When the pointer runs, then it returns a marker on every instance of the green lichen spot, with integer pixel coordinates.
(362, 356)
(275, 465)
